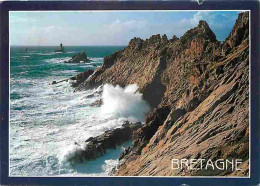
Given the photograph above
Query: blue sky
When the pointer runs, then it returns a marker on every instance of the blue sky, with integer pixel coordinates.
(111, 27)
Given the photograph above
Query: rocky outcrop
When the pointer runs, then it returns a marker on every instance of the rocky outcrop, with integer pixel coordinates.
(142, 136)
(79, 58)
(239, 33)
(153, 64)
(97, 146)
(214, 120)
(200, 91)
(78, 79)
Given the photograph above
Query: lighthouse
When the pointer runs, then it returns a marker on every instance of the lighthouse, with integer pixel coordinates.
(61, 49)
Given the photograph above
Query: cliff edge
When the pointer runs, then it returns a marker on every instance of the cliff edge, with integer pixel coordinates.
(199, 89)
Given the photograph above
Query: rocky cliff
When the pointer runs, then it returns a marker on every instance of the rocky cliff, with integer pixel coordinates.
(199, 89)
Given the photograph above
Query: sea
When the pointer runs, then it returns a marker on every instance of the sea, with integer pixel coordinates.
(46, 120)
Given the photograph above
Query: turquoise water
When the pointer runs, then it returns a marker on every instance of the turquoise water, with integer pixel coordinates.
(34, 63)
(46, 120)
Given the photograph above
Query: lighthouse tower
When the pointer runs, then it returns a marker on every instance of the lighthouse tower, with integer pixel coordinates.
(60, 49)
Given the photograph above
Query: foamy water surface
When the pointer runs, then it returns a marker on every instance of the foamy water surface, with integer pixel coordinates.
(46, 120)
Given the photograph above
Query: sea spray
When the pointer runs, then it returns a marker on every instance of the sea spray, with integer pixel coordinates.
(72, 154)
(124, 102)
(46, 120)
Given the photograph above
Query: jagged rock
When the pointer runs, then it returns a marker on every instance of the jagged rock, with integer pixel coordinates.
(124, 153)
(79, 58)
(97, 146)
(151, 64)
(174, 38)
(142, 136)
(205, 85)
(238, 34)
(240, 31)
(81, 77)
(213, 122)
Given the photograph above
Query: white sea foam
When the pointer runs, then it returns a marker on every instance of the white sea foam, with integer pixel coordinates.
(58, 60)
(47, 54)
(70, 152)
(52, 119)
(109, 165)
(46, 120)
(124, 102)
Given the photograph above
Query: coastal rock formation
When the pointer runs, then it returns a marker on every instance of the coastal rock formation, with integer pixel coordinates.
(81, 77)
(156, 118)
(79, 58)
(199, 89)
(97, 146)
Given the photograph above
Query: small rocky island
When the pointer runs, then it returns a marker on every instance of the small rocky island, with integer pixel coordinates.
(79, 58)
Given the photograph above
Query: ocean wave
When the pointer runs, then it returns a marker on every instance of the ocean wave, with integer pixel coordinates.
(57, 60)
(47, 54)
(56, 119)
(68, 71)
(96, 61)
(72, 154)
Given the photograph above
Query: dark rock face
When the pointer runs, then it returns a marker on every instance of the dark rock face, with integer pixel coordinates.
(142, 136)
(79, 58)
(174, 38)
(238, 34)
(78, 79)
(200, 91)
(97, 146)
(240, 31)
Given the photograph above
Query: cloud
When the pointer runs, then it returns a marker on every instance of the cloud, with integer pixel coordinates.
(210, 17)
(113, 32)
(116, 33)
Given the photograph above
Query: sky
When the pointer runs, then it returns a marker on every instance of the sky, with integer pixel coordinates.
(88, 28)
